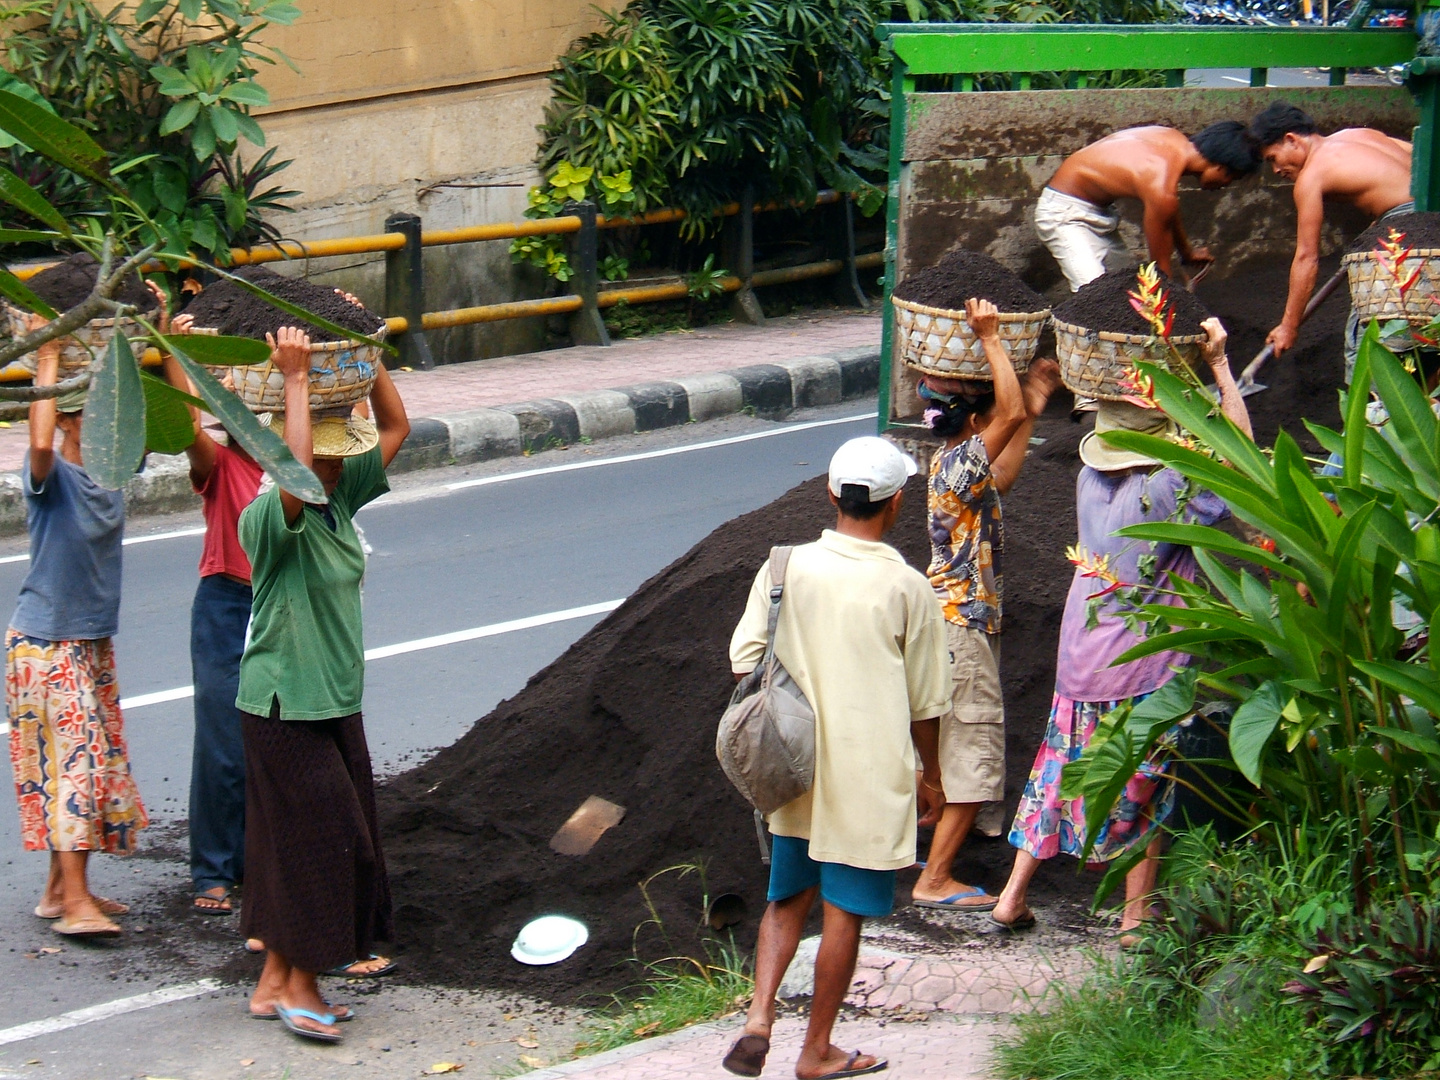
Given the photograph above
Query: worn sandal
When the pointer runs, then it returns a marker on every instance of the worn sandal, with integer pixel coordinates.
(850, 1070)
(106, 906)
(288, 1017)
(345, 971)
(747, 1056)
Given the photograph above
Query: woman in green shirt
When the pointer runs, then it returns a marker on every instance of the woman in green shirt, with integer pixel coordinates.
(315, 886)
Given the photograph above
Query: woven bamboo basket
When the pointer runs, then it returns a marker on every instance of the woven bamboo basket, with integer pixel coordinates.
(939, 341)
(1095, 363)
(1374, 293)
(74, 354)
(341, 375)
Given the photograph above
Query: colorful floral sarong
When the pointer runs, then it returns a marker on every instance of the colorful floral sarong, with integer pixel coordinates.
(1046, 825)
(67, 747)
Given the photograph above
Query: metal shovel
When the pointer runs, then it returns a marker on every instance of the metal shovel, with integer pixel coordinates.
(1246, 383)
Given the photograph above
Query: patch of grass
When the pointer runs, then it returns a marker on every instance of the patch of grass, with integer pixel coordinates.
(1108, 1031)
(677, 993)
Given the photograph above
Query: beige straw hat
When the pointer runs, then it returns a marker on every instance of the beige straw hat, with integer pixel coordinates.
(334, 436)
(1123, 416)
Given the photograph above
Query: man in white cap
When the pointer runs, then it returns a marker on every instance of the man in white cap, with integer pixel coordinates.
(864, 638)
(1116, 489)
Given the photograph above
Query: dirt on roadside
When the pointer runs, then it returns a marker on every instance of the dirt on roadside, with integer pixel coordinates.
(629, 713)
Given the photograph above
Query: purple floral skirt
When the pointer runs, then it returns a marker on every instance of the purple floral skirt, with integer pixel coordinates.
(1046, 825)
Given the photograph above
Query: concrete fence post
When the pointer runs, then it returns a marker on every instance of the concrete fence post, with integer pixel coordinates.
(587, 327)
(405, 290)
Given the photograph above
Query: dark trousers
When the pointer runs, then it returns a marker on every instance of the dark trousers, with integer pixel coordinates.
(317, 893)
(217, 774)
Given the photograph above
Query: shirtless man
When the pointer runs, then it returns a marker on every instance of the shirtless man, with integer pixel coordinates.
(1358, 165)
(1074, 217)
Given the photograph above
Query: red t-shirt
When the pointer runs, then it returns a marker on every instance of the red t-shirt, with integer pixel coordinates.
(232, 486)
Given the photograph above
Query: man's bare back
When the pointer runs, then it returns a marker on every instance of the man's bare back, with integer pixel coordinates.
(1129, 164)
(1361, 166)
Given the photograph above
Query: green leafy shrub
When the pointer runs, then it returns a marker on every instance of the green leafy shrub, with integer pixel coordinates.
(166, 87)
(1375, 983)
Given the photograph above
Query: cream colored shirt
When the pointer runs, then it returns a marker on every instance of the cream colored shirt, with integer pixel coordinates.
(863, 636)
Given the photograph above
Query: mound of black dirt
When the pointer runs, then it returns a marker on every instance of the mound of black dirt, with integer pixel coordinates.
(68, 283)
(226, 307)
(1422, 230)
(1304, 383)
(1104, 304)
(961, 275)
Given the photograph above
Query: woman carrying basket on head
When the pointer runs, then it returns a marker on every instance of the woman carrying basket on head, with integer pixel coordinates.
(316, 890)
(986, 428)
(1115, 489)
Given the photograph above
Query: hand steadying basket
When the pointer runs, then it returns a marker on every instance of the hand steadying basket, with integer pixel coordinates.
(341, 375)
(1375, 291)
(77, 349)
(939, 341)
(1098, 363)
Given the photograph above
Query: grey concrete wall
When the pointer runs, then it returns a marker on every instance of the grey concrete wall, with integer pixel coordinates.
(974, 165)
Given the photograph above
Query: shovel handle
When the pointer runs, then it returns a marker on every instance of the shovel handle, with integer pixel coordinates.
(1321, 295)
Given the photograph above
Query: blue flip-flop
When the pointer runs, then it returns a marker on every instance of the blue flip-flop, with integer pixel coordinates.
(340, 1018)
(951, 903)
(287, 1017)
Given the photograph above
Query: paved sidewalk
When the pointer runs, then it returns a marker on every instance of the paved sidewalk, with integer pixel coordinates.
(506, 379)
(943, 1048)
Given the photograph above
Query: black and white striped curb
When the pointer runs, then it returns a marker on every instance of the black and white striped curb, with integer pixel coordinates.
(768, 390)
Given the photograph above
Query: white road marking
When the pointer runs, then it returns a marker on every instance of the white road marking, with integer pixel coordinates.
(648, 455)
(106, 1010)
(1236, 78)
(148, 539)
(139, 701)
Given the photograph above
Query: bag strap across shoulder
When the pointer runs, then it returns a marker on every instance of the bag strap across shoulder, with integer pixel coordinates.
(779, 563)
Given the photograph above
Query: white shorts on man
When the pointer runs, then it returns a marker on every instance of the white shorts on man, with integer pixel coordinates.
(1079, 234)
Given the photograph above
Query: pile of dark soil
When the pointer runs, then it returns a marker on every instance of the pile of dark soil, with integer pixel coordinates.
(961, 275)
(226, 307)
(1104, 304)
(68, 283)
(1422, 230)
(629, 713)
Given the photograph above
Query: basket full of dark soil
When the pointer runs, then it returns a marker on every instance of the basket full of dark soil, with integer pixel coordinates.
(1099, 336)
(341, 370)
(1394, 269)
(66, 285)
(930, 322)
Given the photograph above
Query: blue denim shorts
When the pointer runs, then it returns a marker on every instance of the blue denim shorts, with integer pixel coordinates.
(870, 893)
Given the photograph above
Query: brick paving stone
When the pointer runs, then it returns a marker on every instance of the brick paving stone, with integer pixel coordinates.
(940, 1049)
(508, 380)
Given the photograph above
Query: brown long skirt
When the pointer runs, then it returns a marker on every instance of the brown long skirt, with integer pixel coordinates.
(315, 884)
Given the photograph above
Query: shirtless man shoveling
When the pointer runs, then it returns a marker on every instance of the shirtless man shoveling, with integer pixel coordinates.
(1076, 221)
(1356, 165)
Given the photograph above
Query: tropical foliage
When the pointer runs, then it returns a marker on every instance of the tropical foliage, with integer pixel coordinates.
(166, 87)
(126, 411)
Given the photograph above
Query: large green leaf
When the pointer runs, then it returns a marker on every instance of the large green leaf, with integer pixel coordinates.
(21, 294)
(1210, 539)
(1253, 724)
(1412, 422)
(28, 236)
(48, 135)
(112, 440)
(168, 426)
(25, 198)
(1355, 401)
(263, 444)
(1420, 683)
(301, 313)
(220, 351)
(1191, 409)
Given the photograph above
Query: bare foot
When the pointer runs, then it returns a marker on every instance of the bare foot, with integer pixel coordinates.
(267, 992)
(835, 1060)
(214, 901)
(972, 898)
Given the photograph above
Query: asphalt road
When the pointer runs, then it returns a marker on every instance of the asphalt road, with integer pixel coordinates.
(516, 540)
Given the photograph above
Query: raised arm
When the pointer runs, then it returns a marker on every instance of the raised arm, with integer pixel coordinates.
(290, 353)
(390, 418)
(42, 413)
(1040, 381)
(202, 451)
(1009, 413)
(1232, 402)
(1310, 216)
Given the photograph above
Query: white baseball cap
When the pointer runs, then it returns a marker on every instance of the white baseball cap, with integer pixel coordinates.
(871, 463)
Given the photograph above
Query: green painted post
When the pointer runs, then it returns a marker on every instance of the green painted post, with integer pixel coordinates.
(902, 85)
(1425, 170)
(1337, 76)
(1259, 76)
(1175, 77)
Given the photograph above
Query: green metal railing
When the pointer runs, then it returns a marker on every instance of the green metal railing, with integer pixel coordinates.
(962, 51)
